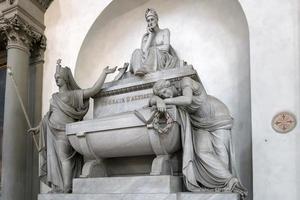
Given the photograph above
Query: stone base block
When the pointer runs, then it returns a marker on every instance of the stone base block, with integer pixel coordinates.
(107, 197)
(128, 185)
(174, 196)
(207, 196)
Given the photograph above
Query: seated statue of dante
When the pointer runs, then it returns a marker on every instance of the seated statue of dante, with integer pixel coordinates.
(208, 158)
(156, 53)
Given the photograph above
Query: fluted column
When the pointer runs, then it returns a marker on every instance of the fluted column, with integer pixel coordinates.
(15, 160)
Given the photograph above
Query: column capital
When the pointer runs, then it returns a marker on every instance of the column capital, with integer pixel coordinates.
(37, 52)
(20, 34)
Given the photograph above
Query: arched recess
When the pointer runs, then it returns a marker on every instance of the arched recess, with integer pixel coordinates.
(212, 35)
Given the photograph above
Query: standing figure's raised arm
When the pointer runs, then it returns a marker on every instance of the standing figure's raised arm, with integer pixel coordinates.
(90, 92)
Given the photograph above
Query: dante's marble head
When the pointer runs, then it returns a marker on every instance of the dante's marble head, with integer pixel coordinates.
(151, 12)
(151, 18)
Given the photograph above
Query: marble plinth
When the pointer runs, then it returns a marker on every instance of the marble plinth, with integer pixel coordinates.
(134, 188)
(173, 196)
(128, 185)
(207, 196)
(107, 197)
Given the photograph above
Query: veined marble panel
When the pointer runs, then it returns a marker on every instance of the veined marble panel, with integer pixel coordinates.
(128, 185)
(173, 196)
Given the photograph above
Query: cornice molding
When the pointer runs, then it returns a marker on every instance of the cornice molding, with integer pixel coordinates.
(19, 34)
(134, 83)
(42, 4)
(22, 13)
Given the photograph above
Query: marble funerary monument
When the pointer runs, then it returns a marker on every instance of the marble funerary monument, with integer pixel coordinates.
(155, 133)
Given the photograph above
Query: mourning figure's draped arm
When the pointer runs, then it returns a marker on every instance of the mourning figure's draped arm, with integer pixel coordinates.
(185, 99)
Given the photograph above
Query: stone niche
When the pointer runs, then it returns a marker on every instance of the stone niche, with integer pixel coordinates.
(211, 35)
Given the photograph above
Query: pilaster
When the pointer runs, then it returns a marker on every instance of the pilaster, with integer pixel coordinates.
(24, 44)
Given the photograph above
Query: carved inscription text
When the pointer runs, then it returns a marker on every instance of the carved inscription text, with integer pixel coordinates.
(127, 99)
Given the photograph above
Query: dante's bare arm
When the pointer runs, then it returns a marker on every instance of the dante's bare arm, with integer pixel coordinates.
(87, 93)
(147, 44)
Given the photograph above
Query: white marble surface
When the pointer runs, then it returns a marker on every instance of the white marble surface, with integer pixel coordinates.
(128, 185)
(275, 86)
(108, 197)
(174, 196)
(275, 82)
(215, 40)
(207, 196)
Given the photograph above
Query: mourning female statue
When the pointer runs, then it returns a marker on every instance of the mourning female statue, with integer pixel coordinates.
(156, 52)
(59, 162)
(206, 136)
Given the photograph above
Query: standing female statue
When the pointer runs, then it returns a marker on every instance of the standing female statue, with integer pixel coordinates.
(156, 52)
(206, 136)
(59, 162)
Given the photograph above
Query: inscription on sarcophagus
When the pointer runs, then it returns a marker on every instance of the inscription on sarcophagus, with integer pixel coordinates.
(121, 103)
(134, 93)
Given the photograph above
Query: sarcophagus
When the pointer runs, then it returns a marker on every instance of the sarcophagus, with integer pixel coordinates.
(125, 126)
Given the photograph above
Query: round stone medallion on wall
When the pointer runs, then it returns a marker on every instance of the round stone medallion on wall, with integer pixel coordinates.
(284, 122)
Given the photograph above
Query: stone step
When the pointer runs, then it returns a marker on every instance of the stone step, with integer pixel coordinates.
(107, 197)
(128, 185)
(174, 196)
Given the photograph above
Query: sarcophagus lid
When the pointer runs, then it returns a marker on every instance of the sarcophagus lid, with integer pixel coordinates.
(134, 92)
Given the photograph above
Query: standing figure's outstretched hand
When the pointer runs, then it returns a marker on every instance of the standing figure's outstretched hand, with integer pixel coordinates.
(108, 70)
